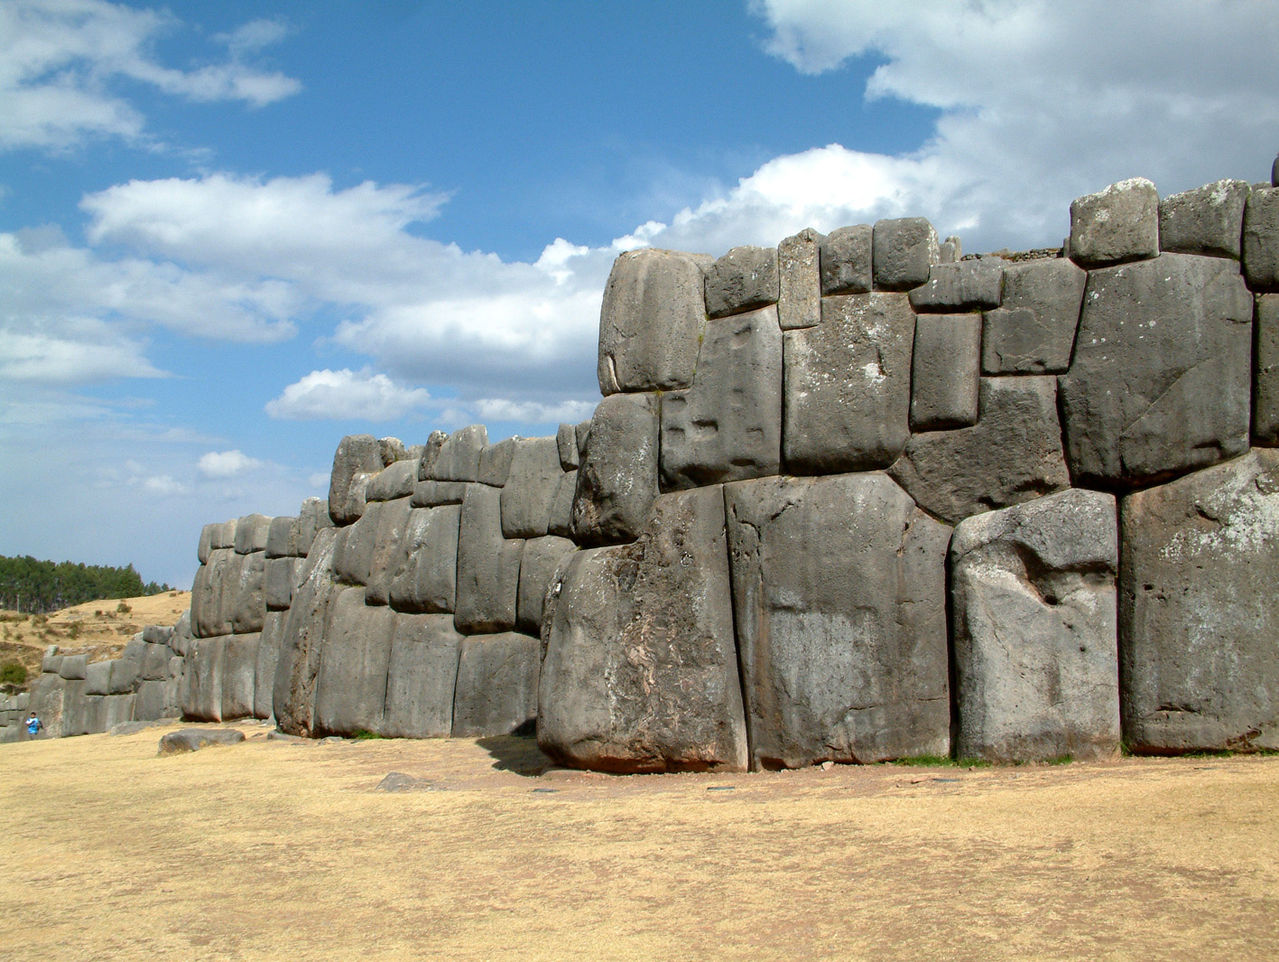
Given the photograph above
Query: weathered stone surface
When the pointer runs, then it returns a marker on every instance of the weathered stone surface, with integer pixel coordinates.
(640, 671)
(1159, 384)
(224, 535)
(846, 260)
(1206, 220)
(430, 452)
(431, 494)
(495, 462)
(1261, 240)
(497, 679)
(1036, 662)
(155, 663)
(281, 575)
(540, 558)
(390, 554)
(1198, 615)
(149, 703)
(353, 552)
(561, 523)
(251, 533)
(239, 675)
(652, 314)
(583, 432)
(45, 700)
(1033, 331)
(566, 446)
(421, 676)
(800, 286)
(125, 671)
(428, 582)
(488, 566)
(1265, 391)
(73, 667)
(950, 251)
(201, 697)
(744, 279)
(1012, 454)
(214, 581)
(530, 488)
(193, 739)
(945, 371)
(1120, 223)
(843, 648)
(728, 425)
(357, 458)
(97, 678)
(904, 250)
(269, 644)
(312, 516)
(617, 481)
(157, 634)
(847, 385)
(303, 643)
(458, 456)
(248, 591)
(967, 286)
(116, 710)
(350, 692)
(206, 542)
(282, 538)
(392, 482)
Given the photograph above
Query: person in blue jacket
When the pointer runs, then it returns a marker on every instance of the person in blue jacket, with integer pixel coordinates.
(33, 725)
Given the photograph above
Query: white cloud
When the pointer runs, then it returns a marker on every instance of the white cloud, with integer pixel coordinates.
(164, 485)
(533, 412)
(226, 464)
(77, 350)
(346, 394)
(60, 58)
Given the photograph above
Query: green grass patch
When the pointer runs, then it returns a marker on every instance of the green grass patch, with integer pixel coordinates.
(363, 734)
(940, 761)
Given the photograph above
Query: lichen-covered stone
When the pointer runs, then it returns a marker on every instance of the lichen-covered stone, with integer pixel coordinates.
(1120, 223)
(744, 279)
(799, 301)
(1206, 220)
(845, 258)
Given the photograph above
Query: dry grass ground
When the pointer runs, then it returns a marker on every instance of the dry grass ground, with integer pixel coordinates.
(100, 628)
(271, 850)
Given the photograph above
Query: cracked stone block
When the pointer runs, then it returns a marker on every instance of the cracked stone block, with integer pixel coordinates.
(1120, 223)
(744, 279)
(1033, 331)
(1207, 220)
(945, 370)
(845, 259)
(799, 302)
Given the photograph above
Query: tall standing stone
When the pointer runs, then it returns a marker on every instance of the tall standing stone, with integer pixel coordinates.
(488, 565)
(303, 643)
(945, 371)
(529, 493)
(497, 678)
(421, 676)
(350, 691)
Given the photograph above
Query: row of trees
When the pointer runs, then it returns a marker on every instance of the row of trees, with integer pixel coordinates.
(38, 587)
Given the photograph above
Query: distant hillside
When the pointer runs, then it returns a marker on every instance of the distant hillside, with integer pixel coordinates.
(38, 587)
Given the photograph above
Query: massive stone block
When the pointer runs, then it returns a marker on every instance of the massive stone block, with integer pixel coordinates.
(640, 670)
(847, 385)
(1206, 220)
(839, 599)
(1033, 331)
(566, 446)
(421, 676)
(249, 592)
(357, 458)
(251, 533)
(652, 315)
(239, 675)
(1036, 660)
(497, 678)
(1160, 380)
(282, 538)
(540, 558)
(394, 481)
(390, 554)
(201, 698)
(529, 493)
(98, 678)
(350, 692)
(1012, 454)
(353, 552)
(209, 614)
(1261, 240)
(1265, 390)
(845, 260)
(270, 643)
(312, 517)
(744, 279)
(904, 250)
(1199, 610)
(800, 288)
(728, 425)
(488, 566)
(1120, 223)
(945, 371)
(299, 663)
(457, 457)
(281, 574)
(966, 286)
(617, 481)
(428, 582)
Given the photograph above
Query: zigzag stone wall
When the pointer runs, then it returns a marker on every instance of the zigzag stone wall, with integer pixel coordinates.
(853, 498)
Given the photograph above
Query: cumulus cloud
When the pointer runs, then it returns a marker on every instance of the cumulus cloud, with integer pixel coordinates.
(226, 464)
(164, 485)
(532, 412)
(59, 61)
(346, 394)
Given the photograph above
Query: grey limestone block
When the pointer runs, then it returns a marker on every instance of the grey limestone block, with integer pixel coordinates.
(1261, 240)
(583, 432)
(251, 533)
(639, 671)
(945, 371)
(353, 551)
(126, 670)
(430, 494)
(529, 493)
(566, 447)
(839, 596)
(1161, 376)
(950, 251)
(728, 425)
(845, 259)
(390, 550)
(744, 279)
(847, 385)
(357, 458)
(239, 675)
(1265, 388)
(293, 695)
(223, 535)
(618, 478)
(51, 661)
(312, 516)
(149, 702)
(193, 739)
(73, 667)
(421, 677)
(540, 558)
(206, 542)
(201, 696)
(650, 320)
(207, 589)
(972, 285)
(458, 456)
(350, 693)
(394, 481)
(1120, 223)
(97, 678)
(428, 582)
(1198, 583)
(1206, 220)
(117, 710)
(495, 462)
(180, 640)
(281, 576)
(488, 566)
(269, 644)
(799, 273)
(561, 523)
(157, 634)
(497, 677)
(155, 663)
(1033, 331)
(69, 715)
(1012, 454)
(1035, 631)
(391, 450)
(903, 252)
(430, 451)
(249, 593)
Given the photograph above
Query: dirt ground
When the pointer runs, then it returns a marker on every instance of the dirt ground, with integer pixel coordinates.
(273, 849)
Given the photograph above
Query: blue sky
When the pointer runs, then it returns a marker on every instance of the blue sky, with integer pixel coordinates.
(232, 233)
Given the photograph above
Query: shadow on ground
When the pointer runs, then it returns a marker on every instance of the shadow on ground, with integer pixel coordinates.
(516, 753)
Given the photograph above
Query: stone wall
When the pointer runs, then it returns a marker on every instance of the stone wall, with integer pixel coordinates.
(853, 498)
